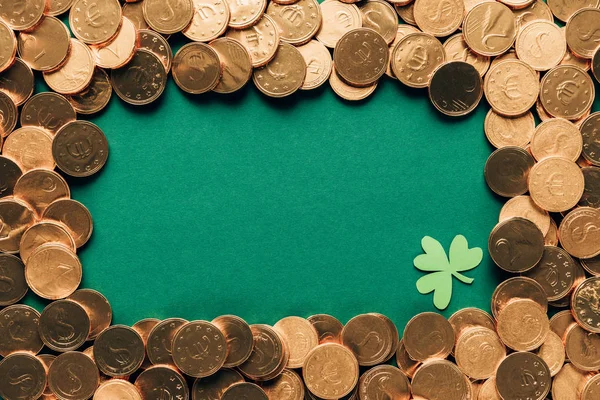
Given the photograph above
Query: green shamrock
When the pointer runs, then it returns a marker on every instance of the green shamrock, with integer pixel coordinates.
(442, 268)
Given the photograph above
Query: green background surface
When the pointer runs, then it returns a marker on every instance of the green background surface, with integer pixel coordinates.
(241, 204)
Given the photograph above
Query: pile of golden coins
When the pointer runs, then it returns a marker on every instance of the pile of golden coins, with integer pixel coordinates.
(548, 236)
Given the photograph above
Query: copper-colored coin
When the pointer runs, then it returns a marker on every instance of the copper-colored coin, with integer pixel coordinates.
(581, 32)
(283, 75)
(488, 390)
(369, 338)
(20, 14)
(16, 217)
(119, 351)
(17, 82)
(41, 233)
(405, 363)
(519, 287)
(490, 28)
(511, 87)
(428, 335)
(504, 131)
(591, 390)
(47, 360)
(19, 329)
(9, 46)
(567, 92)
(405, 29)
(456, 88)
(338, 19)
(236, 66)
(53, 271)
(142, 80)
(591, 193)
(95, 22)
(568, 383)
(468, 318)
(407, 12)
(288, 385)
(97, 307)
(297, 22)
(95, 97)
(199, 349)
(582, 348)
(58, 7)
(13, 285)
(160, 341)
(75, 216)
(8, 115)
(523, 375)
(395, 334)
(144, 327)
(384, 380)
(524, 207)
(361, 57)
(560, 322)
(168, 17)
(40, 187)
(523, 325)
(213, 387)
(120, 50)
(117, 389)
(135, 13)
(64, 325)
(239, 339)
(439, 19)
(457, 50)
(553, 352)
(564, 9)
(592, 265)
(416, 57)
(381, 17)
(478, 352)
(196, 68)
(157, 44)
(30, 148)
(260, 40)
(76, 73)
(210, 20)
(555, 272)
(300, 336)
(440, 380)
(557, 137)
(583, 304)
(267, 354)
(162, 381)
(507, 171)
(537, 11)
(590, 131)
(330, 371)
(46, 46)
(47, 110)
(73, 376)
(245, 14)
(516, 245)
(551, 238)
(541, 44)
(23, 376)
(348, 92)
(579, 233)
(244, 390)
(10, 173)
(328, 328)
(80, 149)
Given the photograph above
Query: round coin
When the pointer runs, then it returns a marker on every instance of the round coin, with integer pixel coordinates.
(328, 328)
(9, 47)
(267, 353)
(64, 325)
(381, 17)
(553, 352)
(468, 318)
(21, 332)
(260, 40)
(199, 349)
(214, 386)
(348, 92)
(30, 147)
(157, 44)
(80, 149)
(507, 171)
(22, 15)
(75, 216)
(511, 87)
(523, 325)
(244, 390)
(564, 9)
(117, 389)
(416, 57)
(239, 339)
(541, 44)
(567, 92)
(405, 363)
(16, 217)
(82, 373)
(163, 380)
(24, 375)
(47, 110)
(338, 19)
(297, 22)
(478, 352)
(300, 336)
(46, 46)
(95, 22)
(118, 351)
(556, 184)
(142, 80)
(39, 188)
(41, 233)
(555, 272)
(516, 245)
(288, 384)
(396, 385)
(523, 375)
(591, 390)
(135, 13)
(583, 304)
(581, 32)
(428, 335)
(119, 50)
(53, 271)
(167, 18)
(518, 287)
(458, 50)
(361, 57)
(538, 10)
(58, 7)
(591, 193)
(196, 68)
(245, 14)
(590, 131)
(358, 333)
(440, 379)
(97, 307)
(580, 346)
(13, 285)
(579, 233)
(318, 64)
(439, 19)
(330, 371)
(557, 137)
(160, 341)
(209, 20)
(95, 97)
(456, 88)
(490, 28)
(76, 73)
(283, 75)
(236, 65)
(17, 82)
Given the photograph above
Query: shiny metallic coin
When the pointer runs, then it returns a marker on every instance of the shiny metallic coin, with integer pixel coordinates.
(157, 44)
(516, 245)
(328, 328)
(334, 27)
(95, 97)
(46, 46)
(591, 390)
(17, 82)
(10, 173)
(267, 354)
(76, 72)
(13, 285)
(519, 287)
(596, 64)
(348, 92)
(567, 92)
(261, 47)
(456, 88)
(160, 341)
(73, 376)
(416, 57)
(24, 376)
(318, 64)
(359, 331)
(30, 147)
(199, 360)
(16, 217)
(196, 68)
(577, 235)
(238, 335)
(9, 48)
(590, 131)
(142, 80)
(120, 49)
(439, 19)
(592, 265)
(580, 31)
(117, 389)
(9, 113)
(47, 360)
(507, 171)
(468, 318)
(555, 272)
(164, 18)
(143, 328)
(425, 324)
(162, 381)
(523, 364)
(490, 28)
(440, 379)
(405, 363)
(541, 44)
(356, 66)
(568, 383)
(245, 14)
(41, 233)
(560, 322)
(288, 384)
(135, 13)
(476, 364)
(119, 351)
(53, 271)
(300, 336)
(297, 22)
(214, 386)
(458, 50)
(75, 216)
(97, 307)
(47, 110)
(591, 193)
(20, 331)
(511, 87)
(397, 385)
(283, 75)
(407, 12)
(537, 11)
(22, 15)
(557, 137)
(519, 333)
(58, 7)
(564, 9)
(236, 65)
(582, 304)
(244, 390)
(80, 149)
(95, 22)
(209, 21)
(381, 17)
(581, 346)
(330, 371)
(524, 207)
(553, 353)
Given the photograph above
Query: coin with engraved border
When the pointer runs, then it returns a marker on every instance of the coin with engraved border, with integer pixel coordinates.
(300, 336)
(74, 215)
(64, 325)
(381, 17)
(457, 50)
(95, 97)
(95, 22)
(441, 379)
(556, 184)
(117, 389)
(80, 149)
(504, 131)
(244, 390)
(120, 49)
(164, 380)
(47, 110)
(17, 82)
(590, 131)
(521, 365)
(119, 351)
(440, 19)
(46, 46)
(236, 65)
(245, 14)
(478, 352)
(199, 349)
(591, 390)
(428, 325)
(267, 353)
(157, 44)
(338, 19)
(397, 385)
(553, 352)
(490, 28)
(260, 40)
(76, 73)
(511, 87)
(516, 245)
(567, 92)
(142, 81)
(407, 12)
(581, 32)
(331, 371)
(348, 92)
(583, 304)
(581, 348)
(210, 20)
(557, 137)
(524, 207)
(19, 326)
(361, 57)
(21, 15)
(97, 307)
(16, 217)
(579, 233)
(591, 193)
(73, 376)
(44, 232)
(416, 57)
(135, 13)
(283, 75)
(564, 9)
(556, 273)
(541, 44)
(196, 68)
(40, 187)
(297, 22)
(53, 271)
(13, 286)
(160, 341)
(58, 7)
(288, 385)
(537, 11)
(507, 170)
(30, 147)
(23, 376)
(214, 386)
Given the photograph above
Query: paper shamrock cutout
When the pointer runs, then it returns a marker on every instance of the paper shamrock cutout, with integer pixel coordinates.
(442, 268)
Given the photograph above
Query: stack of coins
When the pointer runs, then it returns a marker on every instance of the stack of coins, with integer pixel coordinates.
(548, 233)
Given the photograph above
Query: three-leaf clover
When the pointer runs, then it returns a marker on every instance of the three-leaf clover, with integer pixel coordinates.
(442, 268)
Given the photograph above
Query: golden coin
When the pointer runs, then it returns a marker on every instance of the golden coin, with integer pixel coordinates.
(300, 336)
(196, 68)
(564, 9)
(95, 22)
(427, 336)
(160, 341)
(142, 80)
(381, 17)
(97, 307)
(245, 14)
(118, 351)
(58, 7)
(283, 75)
(555, 272)
(143, 328)
(10, 173)
(328, 328)
(162, 380)
(209, 21)
(407, 12)
(395, 334)
(478, 352)
(21, 15)
(288, 385)
(456, 88)
(579, 233)
(567, 92)
(297, 22)
(416, 57)
(338, 19)
(267, 354)
(516, 245)
(591, 193)
(47, 110)
(581, 32)
(511, 87)
(468, 318)
(541, 44)
(8, 115)
(369, 338)
(583, 304)
(30, 148)
(80, 149)
(119, 50)
(46, 46)
(64, 326)
(236, 65)
(348, 92)
(590, 131)
(488, 390)
(568, 383)
(76, 73)
(74, 215)
(519, 287)
(403, 30)
(439, 18)
(158, 45)
(117, 389)
(95, 97)
(135, 13)
(318, 64)
(557, 138)
(440, 380)
(16, 217)
(490, 28)
(523, 376)
(53, 271)
(571, 59)
(24, 376)
(214, 386)
(17, 82)
(553, 353)
(361, 57)
(371, 384)
(41, 233)
(21, 332)
(40, 187)
(199, 349)
(73, 376)
(244, 390)
(239, 339)
(581, 347)
(556, 184)
(507, 169)
(524, 207)
(8, 50)
(523, 325)
(260, 40)
(591, 390)
(458, 50)
(405, 363)
(13, 285)
(330, 371)
(537, 11)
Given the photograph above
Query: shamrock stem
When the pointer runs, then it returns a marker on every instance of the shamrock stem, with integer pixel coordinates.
(463, 278)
